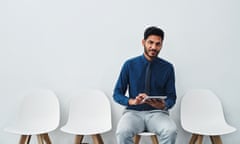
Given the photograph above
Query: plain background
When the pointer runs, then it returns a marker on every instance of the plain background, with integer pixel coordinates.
(67, 45)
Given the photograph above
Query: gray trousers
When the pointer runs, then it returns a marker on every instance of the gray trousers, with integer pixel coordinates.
(133, 122)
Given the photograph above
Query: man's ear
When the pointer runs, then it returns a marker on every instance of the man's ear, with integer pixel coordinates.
(143, 42)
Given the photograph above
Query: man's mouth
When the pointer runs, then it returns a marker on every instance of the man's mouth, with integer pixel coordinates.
(153, 52)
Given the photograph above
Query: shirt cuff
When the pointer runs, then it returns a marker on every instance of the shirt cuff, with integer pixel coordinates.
(166, 106)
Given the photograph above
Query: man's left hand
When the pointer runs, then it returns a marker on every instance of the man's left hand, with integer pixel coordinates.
(159, 104)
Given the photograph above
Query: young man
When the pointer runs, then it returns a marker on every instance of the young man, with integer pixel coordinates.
(146, 75)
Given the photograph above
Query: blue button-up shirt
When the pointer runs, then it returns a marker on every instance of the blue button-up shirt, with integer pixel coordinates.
(132, 78)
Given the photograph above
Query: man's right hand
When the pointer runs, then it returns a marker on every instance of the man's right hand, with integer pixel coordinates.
(138, 100)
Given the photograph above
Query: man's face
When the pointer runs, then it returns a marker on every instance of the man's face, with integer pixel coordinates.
(152, 46)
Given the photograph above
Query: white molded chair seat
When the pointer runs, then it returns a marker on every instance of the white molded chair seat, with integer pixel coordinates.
(89, 114)
(146, 133)
(202, 114)
(38, 114)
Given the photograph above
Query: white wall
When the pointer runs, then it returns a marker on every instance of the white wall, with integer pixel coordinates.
(72, 44)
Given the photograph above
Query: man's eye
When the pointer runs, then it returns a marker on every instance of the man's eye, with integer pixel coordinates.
(150, 42)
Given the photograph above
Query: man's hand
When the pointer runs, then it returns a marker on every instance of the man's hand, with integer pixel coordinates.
(159, 104)
(138, 100)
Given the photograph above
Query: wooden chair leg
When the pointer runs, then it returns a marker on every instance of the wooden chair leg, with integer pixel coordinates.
(28, 139)
(193, 139)
(40, 139)
(46, 138)
(199, 139)
(154, 139)
(25, 139)
(78, 139)
(212, 140)
(100, 138)
(136, 139)
(97, 139)
(216, 139)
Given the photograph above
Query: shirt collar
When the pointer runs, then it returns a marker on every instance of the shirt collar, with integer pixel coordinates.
(146, 61)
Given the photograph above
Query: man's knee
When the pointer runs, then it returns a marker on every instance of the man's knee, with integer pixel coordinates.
(170, 131)
(124, 132)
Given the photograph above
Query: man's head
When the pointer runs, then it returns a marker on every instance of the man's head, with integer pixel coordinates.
(153, 31)
(152, 42)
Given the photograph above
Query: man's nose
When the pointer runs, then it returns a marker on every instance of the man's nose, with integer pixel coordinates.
(154, 46)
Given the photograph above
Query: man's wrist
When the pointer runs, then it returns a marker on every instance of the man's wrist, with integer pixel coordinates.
(131, 102)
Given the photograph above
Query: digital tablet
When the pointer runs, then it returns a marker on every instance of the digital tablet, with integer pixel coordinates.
(154, 97)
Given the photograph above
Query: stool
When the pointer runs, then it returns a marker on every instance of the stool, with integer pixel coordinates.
(151, 134)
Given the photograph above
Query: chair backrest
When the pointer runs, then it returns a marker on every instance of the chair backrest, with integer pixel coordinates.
(39, 113)
(202, 113)
(89, 113)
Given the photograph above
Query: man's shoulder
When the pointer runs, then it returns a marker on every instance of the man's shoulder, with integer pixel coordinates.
(163, 61)
(133, 59)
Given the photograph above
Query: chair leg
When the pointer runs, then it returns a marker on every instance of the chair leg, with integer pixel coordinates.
(78, 139)
(136, 139)
(46, 138)
(216, 139)
(199, 139)
(212, 139)
(25, 139)
(97, 139)
(28, 139)
(193, 139)
(40, 139)
(154, 139)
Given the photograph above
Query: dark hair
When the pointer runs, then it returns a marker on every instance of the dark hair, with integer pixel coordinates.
(153, 31)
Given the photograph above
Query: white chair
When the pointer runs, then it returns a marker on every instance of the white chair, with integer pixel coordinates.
(151, 134)
(202, 115)
(38, 114)
(89, 114)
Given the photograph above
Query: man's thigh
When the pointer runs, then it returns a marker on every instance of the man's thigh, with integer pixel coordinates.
(159, 121)
(131, 121)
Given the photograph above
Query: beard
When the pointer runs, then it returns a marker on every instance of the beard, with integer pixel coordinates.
(151, 53)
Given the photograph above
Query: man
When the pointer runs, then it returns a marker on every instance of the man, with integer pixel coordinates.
(146, 75)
